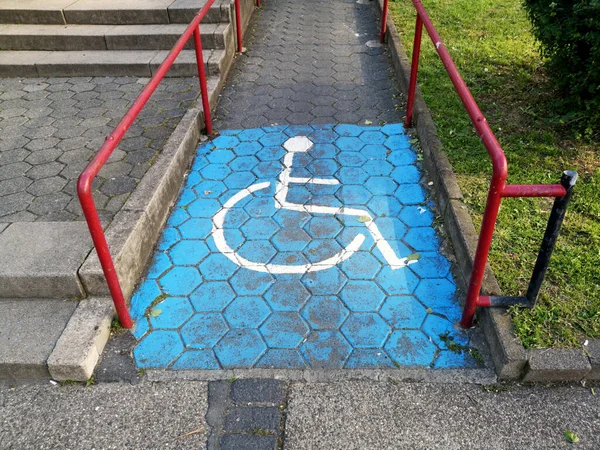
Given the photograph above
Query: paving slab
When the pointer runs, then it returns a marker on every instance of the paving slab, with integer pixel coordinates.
(32, 265)
(109, 415)
(357, 415)
(34, 11)
(28, 333)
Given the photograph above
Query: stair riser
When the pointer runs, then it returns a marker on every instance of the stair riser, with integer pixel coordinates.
(216, 14)
(102, 42)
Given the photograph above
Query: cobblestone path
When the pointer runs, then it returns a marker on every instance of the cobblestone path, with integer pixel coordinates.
(51, 127)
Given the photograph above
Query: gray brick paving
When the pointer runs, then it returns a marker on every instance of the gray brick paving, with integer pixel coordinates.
(308, 63)
(51, 127)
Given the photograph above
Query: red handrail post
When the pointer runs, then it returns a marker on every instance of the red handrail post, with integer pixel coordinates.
(414, 69)
(84, 192)
(238, 25)
(488, 224)
(258, 3)
(384, 14)
(203, 82)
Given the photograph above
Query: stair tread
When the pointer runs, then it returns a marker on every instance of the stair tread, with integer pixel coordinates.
(100, 30)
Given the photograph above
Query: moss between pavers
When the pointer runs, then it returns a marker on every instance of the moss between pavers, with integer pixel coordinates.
(495, 52)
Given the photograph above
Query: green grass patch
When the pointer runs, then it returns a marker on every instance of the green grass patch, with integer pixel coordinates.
(492, 45)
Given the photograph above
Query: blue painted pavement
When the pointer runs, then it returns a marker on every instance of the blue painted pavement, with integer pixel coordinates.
(297, 247)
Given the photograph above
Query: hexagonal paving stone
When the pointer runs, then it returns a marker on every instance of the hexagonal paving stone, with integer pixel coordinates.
(220, 156)
(353, 195)
(217, 267)
(351, 159)
(366, 330)
(349, 144)
(368, 358)
(381, 185)
(290, 239)
(403, 311)
(170, 237)
(410, 348)
(323, 151)
(261, 207)
(216, 171)
(319, 250)
(188, 252)
(326, 349)
(287, 218)
(436, 293)
(204, 208)
(402, 157)
(246, 312)
(323, 167)
(442, 332)
(252, 134)
(240, 348)
(406, 175)
(324, 282)
(248, 148)
(274, 138)
(397, 142)
(180, 281)
(203, 330)
(178, 216)
(448, 359)
(361, 266)
(260, 252)
(284, 330)
(202, 359)
(393, 128)
(210, 189)
(352, 175)
(422, 239)
(212, 296)
(391, 228)
(416, 216)
(250, 283)
(243, 163)
(235, 218)
(195, 228)
(325, 312)
(397, 281)
(226, 142)
(279, 358)
(259, 228)
(372, 137)
(143, 297)
(378, 168)
(323, 227)
(431, 265)
(348, 130)
(239, 180)
(171, 313)
(271, 154)
(158, 349)
(410, 194)
(384, 206)
(160, 264)
(287, 294)
(362, 296)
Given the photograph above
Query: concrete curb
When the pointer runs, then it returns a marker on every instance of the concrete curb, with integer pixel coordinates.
(400, 374)
(511, 360)
(131, 237)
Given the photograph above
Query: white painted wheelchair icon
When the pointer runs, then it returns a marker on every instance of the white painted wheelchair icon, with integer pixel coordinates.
(293, 145)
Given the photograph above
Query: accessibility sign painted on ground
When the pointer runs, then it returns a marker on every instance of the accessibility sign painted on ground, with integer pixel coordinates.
(298, 247)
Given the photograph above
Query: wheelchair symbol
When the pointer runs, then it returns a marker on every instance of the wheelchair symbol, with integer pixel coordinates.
(294, 145)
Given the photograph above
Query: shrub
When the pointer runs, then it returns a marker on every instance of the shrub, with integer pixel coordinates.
(569, 33)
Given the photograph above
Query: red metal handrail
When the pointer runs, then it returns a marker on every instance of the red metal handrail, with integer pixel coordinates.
(84, 184)
(498, 188)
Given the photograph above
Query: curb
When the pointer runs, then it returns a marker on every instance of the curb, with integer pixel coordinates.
(131, 236)
(511, 360)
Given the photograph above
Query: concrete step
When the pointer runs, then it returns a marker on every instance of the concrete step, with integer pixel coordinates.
(108, 37)
(98, 63)
(29, 330)
(109, 11)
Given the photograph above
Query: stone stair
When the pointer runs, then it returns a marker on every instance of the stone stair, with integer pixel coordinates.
(68, 38)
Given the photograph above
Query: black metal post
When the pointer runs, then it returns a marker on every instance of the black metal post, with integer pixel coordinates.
(568, 180)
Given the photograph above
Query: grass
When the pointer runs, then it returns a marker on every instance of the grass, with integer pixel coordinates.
(492, 45)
